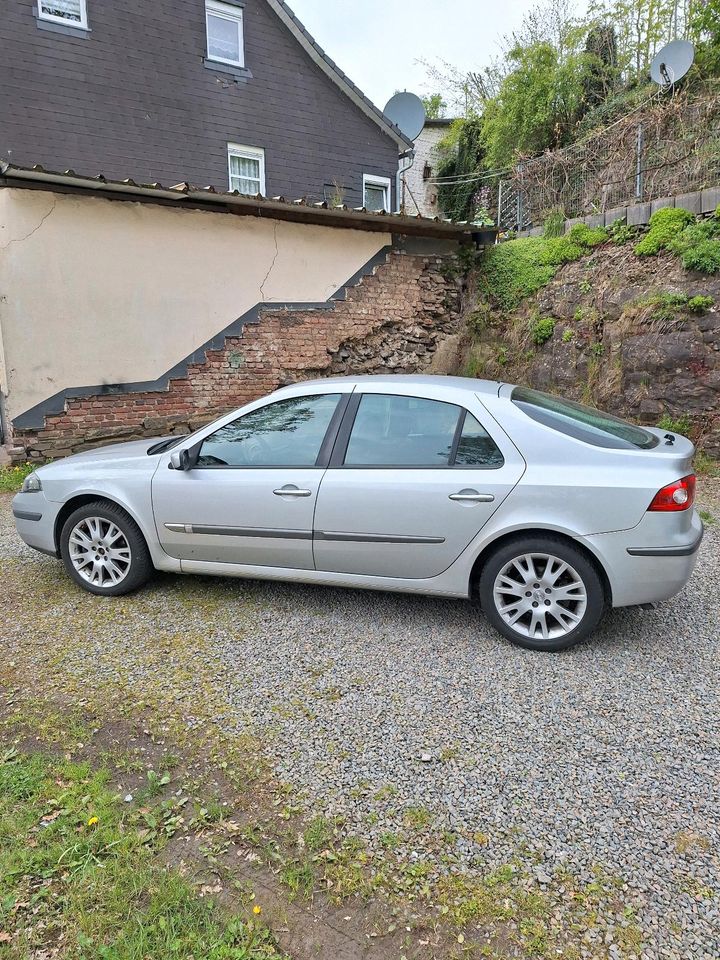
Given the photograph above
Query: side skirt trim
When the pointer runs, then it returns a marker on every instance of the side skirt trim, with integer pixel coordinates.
(269, 533)
(373, 538)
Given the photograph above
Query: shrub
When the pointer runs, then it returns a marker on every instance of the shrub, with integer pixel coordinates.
(587, 236)
(705, 257)
(560, 250)
(665, 225)
(567, 336)
(513, 270)
(542, 330)
(700, 304)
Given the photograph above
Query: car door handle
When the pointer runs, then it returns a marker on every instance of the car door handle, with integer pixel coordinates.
(292, 492)
(472, 496)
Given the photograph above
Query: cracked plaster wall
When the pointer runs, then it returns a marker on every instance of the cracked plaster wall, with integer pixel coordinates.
(98, 291)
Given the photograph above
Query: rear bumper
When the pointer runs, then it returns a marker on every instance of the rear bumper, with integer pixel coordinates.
(647, 572)
(684, 550)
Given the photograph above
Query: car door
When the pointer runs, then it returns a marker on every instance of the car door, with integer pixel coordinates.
(411, 482)
(251, 497)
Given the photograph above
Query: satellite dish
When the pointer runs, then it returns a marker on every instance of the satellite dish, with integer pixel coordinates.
(407, 112)
(672, 62)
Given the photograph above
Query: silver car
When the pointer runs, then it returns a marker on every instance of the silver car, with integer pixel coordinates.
(547, 510)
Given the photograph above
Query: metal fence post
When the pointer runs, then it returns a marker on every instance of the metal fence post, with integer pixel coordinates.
(639, 165)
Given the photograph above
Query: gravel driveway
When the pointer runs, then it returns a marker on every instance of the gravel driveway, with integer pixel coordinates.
(392, 710)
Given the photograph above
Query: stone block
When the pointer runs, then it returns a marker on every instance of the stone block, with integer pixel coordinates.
(617, 213)
(595, 220)
(571, 223)
(638, 215)
(710, 199)
(691, 202)
(661, 203)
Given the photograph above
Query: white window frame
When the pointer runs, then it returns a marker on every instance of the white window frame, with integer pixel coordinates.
(247, 153)
(371, 181)
(81, 24)
(225, 11)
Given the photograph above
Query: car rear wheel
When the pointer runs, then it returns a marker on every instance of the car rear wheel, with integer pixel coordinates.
(104, 551)
(541, 593)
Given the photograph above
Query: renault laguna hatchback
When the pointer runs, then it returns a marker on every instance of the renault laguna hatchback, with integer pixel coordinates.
(546, 510)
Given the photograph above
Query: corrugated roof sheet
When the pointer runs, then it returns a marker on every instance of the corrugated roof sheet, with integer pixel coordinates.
(279, 208)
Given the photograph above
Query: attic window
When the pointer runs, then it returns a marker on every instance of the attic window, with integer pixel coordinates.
(225, 42)
(71, 13)
(376, 193)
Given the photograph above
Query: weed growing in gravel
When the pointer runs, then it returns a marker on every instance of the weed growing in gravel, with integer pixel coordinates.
(707, 517)
(75, 870)
(417, 817)
(11, 478)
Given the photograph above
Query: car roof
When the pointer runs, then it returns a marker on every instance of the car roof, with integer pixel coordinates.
(464, 383)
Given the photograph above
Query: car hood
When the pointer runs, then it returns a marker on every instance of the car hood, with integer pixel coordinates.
(133, 450)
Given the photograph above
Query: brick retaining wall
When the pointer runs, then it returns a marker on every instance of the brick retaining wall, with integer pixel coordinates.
(392, 320)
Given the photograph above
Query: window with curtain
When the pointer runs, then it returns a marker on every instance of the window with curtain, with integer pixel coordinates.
(247, 169)
(224, 33)
(70, 12)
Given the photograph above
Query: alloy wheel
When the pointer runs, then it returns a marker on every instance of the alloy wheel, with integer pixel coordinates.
(540, 596)
(99, 551)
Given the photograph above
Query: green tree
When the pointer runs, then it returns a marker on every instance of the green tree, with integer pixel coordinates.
(434, 106)
(462, 163)
(536, 107)
(704, 29)
(600, 65)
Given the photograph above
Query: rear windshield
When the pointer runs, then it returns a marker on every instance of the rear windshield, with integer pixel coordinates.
(582, 423)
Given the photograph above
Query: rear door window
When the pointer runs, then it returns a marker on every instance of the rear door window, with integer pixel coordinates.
(399, 431)
(581, 422)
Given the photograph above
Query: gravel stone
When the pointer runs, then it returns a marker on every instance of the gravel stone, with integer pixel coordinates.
(606, 757)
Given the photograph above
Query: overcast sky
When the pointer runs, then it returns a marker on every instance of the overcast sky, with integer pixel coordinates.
(378, 42)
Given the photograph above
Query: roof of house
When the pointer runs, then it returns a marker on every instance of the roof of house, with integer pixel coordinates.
(333, 71)
(208, 198)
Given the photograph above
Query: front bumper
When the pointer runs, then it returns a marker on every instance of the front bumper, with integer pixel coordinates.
(649, 563)
(35, 521)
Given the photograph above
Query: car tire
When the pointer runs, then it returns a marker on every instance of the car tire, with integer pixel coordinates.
(541, 593)
(104, 550)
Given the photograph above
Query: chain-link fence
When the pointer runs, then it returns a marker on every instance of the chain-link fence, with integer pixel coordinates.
(669, 147)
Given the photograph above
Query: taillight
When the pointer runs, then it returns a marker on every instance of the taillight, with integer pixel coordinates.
(675, 496)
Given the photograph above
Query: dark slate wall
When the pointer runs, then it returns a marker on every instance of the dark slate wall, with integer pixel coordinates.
(132, 98)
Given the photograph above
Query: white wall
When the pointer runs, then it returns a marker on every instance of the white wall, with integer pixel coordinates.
(97, 291)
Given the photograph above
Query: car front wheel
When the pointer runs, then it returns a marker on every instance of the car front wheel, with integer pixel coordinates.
(104, 551)
(541, 593)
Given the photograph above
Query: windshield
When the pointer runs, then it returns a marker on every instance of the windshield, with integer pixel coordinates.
(582, 423)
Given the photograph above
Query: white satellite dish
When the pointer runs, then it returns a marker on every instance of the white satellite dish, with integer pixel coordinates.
(407, 112)
(672, 62)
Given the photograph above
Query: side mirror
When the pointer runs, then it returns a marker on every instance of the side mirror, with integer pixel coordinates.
(182, 460)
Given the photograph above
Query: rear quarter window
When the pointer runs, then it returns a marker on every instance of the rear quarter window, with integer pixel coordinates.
(581, 422)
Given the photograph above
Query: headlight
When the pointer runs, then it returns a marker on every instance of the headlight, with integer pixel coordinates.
(31, 484)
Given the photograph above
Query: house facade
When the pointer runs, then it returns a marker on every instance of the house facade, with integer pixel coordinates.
(234, 95)
(419, 192)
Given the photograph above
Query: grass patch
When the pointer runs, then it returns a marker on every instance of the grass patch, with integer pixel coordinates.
(682, 425)
(77, 874)
(11, 478)
(706, 466)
